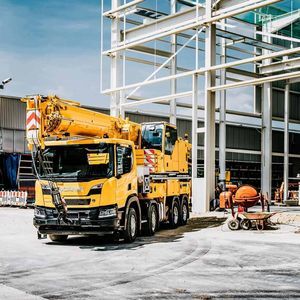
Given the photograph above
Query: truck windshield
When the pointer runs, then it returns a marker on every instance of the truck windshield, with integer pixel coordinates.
(71, 162)
(152, 136)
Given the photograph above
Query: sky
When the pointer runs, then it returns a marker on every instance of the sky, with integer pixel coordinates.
(51, 46)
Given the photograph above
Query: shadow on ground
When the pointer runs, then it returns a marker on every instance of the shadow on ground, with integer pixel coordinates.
(164, 235)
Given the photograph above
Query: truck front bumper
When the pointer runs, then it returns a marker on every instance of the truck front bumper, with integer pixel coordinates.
(84, 221)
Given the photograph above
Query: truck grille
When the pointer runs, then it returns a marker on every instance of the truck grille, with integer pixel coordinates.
(78, 201)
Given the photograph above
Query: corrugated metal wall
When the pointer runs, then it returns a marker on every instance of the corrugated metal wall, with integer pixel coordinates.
(278, 101)
(12, 131)
(12, 113)
(12, 125)
(13, 141)
(278, 105)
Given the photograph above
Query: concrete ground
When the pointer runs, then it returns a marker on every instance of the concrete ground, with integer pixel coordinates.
(203, 260)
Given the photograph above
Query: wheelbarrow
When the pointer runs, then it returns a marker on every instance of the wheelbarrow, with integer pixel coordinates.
(245, 197)
(248, 220)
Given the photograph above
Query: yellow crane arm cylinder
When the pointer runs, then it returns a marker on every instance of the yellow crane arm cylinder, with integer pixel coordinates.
(52, 117)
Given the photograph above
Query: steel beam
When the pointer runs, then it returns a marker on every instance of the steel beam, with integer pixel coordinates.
(286, 142)
(284, 76)
(213, 68)
(187, 36)
(164, 24)
(120, 8)
(160, 99)
(175, 27)
(278, 36)
(151, 51)
(294, 80)
(283, 21)
(284, 65)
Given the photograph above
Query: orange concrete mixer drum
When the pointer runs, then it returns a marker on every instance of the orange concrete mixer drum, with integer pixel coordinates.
(246, 196)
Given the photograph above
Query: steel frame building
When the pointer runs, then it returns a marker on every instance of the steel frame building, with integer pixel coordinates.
(205, 22)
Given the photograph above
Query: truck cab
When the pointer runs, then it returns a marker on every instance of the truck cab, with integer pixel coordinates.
(96, 177)
(170, 152)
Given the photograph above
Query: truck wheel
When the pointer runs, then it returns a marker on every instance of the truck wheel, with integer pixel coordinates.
(233, 224)
(174, 215)
(58, 237)
(152, 224)
(131, 230)
(184, 212)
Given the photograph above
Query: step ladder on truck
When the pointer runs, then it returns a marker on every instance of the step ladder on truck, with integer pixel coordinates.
(26, 178)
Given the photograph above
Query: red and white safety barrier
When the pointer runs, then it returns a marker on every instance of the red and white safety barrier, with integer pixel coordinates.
(13, 198)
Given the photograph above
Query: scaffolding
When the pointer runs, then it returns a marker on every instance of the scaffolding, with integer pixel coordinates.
(231, 44)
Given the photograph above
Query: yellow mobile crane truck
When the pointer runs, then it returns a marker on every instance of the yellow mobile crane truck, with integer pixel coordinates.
(98, 174)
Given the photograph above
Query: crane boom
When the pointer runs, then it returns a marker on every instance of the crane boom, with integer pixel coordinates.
(51, 117)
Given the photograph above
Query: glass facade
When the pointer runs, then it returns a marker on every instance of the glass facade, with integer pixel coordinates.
(275, 12)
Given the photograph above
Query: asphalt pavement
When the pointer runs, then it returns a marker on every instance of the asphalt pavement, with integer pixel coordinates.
(203, 260)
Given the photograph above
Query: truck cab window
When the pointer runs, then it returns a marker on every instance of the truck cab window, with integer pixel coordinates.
(124, 159)
(170, 139)
(152, 136)
(70, 163)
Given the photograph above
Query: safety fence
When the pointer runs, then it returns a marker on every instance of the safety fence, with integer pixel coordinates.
(13, 198)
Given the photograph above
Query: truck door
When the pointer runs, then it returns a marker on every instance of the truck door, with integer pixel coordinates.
(170, 149)
(125, 173)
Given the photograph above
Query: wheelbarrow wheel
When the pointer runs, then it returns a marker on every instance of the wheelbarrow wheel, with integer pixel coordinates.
(245, 224)
(234, 224)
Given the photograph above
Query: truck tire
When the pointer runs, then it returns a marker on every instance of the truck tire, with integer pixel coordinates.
(131, 231)
(184, 212)
(233, 224)
(152, 224)
(174, 214)
(58, 237)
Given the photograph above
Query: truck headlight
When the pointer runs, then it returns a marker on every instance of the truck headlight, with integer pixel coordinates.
(39, 212)
(96, 189)
(108, 212)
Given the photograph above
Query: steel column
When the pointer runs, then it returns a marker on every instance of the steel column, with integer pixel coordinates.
(266, 140)
(286, 141)
(194, 131)
(222, 116)
(266, 137)
(198, 184)
(209, 138)
(173, 4)
(116, 62)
